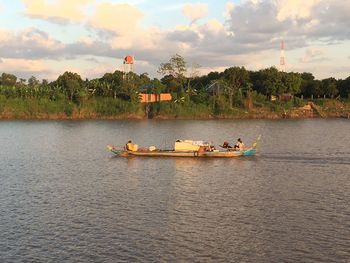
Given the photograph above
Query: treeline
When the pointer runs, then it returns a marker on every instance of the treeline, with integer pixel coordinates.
(214, 93)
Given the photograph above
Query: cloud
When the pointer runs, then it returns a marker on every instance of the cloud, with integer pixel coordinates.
(25, 67)
(214, 26)
(195, 11)
(228, 9)
(59, 11)
(333, 20)
(314, 55)
(252, 29)
(296, 9)
(256, 25)
(118, 18)
(188, 36)
(100, 16)
(261, 24)
(30, 43)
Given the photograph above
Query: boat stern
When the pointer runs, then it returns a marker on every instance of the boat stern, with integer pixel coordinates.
(249, 152)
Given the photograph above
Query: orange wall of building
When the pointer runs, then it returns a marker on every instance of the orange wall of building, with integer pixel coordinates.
(147, 98)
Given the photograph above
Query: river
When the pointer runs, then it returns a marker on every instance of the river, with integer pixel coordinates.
(65, 198)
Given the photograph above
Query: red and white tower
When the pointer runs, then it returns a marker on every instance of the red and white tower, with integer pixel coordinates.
(282, 58)
(128, 64)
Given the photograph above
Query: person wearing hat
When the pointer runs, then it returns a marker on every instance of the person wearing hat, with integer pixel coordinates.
(239, 146)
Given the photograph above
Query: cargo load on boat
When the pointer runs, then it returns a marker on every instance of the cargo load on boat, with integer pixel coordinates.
(189, 145)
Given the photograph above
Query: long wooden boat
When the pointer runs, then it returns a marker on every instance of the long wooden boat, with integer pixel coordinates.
(121, 151)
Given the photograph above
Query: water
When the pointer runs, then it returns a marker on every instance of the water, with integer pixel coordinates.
(65, 198)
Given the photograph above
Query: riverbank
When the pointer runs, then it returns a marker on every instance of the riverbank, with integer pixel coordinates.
(315, 109)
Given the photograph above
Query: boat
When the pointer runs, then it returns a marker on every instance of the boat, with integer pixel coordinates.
(206, 152)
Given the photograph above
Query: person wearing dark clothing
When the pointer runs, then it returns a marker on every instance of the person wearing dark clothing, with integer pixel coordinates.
(226, 145)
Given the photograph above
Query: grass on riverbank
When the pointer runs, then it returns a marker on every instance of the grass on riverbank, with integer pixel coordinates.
(109, 108)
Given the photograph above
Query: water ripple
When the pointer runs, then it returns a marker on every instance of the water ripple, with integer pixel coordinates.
(66, 199)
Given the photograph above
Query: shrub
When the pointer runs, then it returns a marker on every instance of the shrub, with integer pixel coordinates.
(111, 106)
(298, 102)
(68, 109)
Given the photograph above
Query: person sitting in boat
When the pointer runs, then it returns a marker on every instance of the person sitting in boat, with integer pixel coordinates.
(226, 145)
(131, 146)
(239, 146)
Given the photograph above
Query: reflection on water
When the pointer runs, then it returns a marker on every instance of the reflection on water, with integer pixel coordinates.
(64, 198)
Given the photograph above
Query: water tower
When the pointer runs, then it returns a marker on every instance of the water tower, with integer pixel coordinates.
(128, 64)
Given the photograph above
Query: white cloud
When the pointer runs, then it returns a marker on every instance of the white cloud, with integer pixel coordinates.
(314, 55)
(29, 43)
(253, 28)
(228, 9)
(23, 64)
(295, 9)
(195, 11)
(59, 11)
(25, 67)
(214, 26)
(118, 18)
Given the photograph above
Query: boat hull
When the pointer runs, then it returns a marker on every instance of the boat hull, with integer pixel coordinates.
(120, 151)
(165, 153)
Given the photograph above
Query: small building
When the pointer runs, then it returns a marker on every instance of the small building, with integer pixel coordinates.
(149, 98)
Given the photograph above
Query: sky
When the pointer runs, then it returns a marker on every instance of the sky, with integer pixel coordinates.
(45, 38)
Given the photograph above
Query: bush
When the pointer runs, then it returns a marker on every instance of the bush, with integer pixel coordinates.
(258, 99)
(186, 110)
(111, 106)
(320, 102)
(68, 109)
(298, 102)
(2, 103)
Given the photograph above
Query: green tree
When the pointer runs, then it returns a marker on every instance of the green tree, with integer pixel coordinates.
(236, 78)
(201, 83)
(176, 67)
(33, 81)
(113, 84)
(144, 78)
(329, 87)
(157, 86)
(344, 87)
(291, 82)
(309, 86)
(8, 80)
(271, 81)
(170, 82)
(72, 85)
